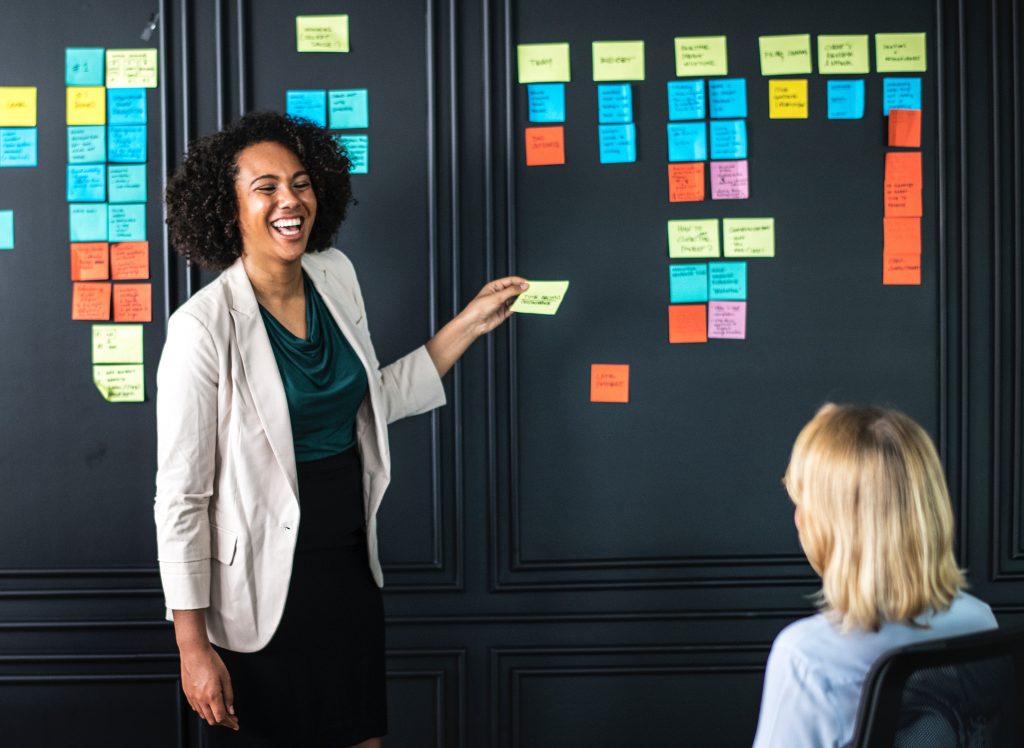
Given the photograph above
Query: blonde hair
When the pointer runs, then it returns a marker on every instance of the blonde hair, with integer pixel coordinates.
(874, 516)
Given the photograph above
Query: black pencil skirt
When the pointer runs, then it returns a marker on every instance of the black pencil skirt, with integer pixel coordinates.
(320, 681)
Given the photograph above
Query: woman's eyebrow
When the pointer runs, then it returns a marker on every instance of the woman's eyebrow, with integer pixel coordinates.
(274, 176)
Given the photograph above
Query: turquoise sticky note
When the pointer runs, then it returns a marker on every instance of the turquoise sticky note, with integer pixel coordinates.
(126, 106)
(688, 283)
(83, 66)
(618, 143)
(727, 281)
(19, 146)
(127, 223)
(728, 138)
(358, 149)
(349, 109)
(686, 99)
(126, 183)
(728, 98)
(900, 93)
(311, 105)
(126, 144)
(88, 222)
(846, 99)
(546, 102)
(614, 103)
(87, 183)
(687, 141)
(6, 229)
(87, 144)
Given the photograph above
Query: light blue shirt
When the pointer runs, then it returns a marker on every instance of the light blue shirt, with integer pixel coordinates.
(815, 673)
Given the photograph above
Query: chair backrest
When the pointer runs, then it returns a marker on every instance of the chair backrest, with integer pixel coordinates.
(964, 692)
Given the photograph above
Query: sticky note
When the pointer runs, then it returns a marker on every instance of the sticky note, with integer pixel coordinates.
(87, 222)
(614, 103)
(688, 283)
(701, 56)
(728, 138)
(83, 66)
(126, 143)
(748, 237)
(117, 344)
(617, 143)
(19, 146)
(127, 222)
(126, 106)
(839, 55)
(545, 146)
(691, 239)
(903, 183)
(905, 128)
(688, 323)
(120, 383)
(730, 180)
(358, 149)
(546, 102)
(618, 61)
(131, 68)
(311, 105)
(609, 383)
(686, 100)
(349, 109)
(727, 320)
(89, 261)
(126, 183)
(728, 98)
(900, 93)
(785, 55)
(846, 99)
(543, 63)
(133, 302)
(90, 301)
(787, 98)
(86, 105)
(686, 182)
(17, 106)
(727, 281)
(86, 183)
(901, 235)
(900, 53)
(542, 297)
(6, 229)
(321, 33)
(687, 141)
(87, 145)
(899, 269)
(129, 261)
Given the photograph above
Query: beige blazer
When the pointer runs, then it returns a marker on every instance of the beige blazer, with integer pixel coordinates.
(227, 509)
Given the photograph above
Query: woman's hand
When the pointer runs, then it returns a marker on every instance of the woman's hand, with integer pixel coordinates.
(207, 686)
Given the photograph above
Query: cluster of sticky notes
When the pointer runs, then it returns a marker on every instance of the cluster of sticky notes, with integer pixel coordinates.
(609, 383)
(117, 362)
(901, 246)
(741, 237)
(343, 109)
(616, 129)
(542, 297)
(19, 146)
(321, 33)
(544, 68)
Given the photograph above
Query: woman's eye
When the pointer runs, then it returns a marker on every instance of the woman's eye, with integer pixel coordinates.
(301, 185)
(267, 189)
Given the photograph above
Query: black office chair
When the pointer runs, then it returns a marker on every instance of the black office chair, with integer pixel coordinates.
(964, 692)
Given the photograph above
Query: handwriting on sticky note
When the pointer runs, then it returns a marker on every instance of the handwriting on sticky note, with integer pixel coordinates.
(543, 63)
(688, 323)
(120, 383)
(129, 261)
(900, 53)
(701, 55)
(133, 302)
(901, 235)
(901, 269)
(728, 98)
(686, 100)
(117, 344)
(785, 55)
(903, 184)
(787, 98)
(728, 138)
(690, 239)
(617, 143)
(126, 222)
(688, 283)
(542, 297)
(89, 261)
(609, 383)
(900, 93)
(686, 182)
(86, 105)
(17, 106)
(19, 146)
(845, 99)
(905, 128)
(727, 281)
(311, 105)
(90, 301)
(839, 55)
(729, 180)
(83, 66)
(321, 33)
(131, 68)
(727, 320)
(545, 146)
(748, 237)
(618, 61)
(546, 102)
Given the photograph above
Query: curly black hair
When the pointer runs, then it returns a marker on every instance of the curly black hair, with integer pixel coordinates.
(202, 209)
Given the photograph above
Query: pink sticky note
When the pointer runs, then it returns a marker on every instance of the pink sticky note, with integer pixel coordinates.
(729, 180)
(727, 319)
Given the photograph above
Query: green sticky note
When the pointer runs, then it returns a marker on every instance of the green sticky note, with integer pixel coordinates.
(839, 55)
(693, 238)
(120, 383)
(117, 344)
(321, 33)
(900, 53)
(542, 297)
(618, 61)
(749, 237)
(543, 63)
(129, 68)
(785, 55)
(700, 56)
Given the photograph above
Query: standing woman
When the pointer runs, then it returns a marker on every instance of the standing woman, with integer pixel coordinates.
(272, 414)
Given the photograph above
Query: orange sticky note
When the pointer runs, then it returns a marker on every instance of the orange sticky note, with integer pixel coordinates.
(903, 183)
(129, 260)
(688, 323)
(686, 182)
(901, 269)
(609, 383)
(905, 128)
(545, 146)
(90, 301)
(902, 235)
(133, 302)
(89, 261)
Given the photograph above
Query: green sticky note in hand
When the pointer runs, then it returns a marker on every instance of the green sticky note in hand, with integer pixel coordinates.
(542, 297)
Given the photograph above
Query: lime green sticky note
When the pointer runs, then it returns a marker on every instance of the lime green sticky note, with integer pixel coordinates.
(749, 237)
(129, 68)
(542, 297)
(848, 54)
(700, 56)
(543, 63)
(694, 238)
(120, 383)
(117, 344)
(321, 33)
(900, 53)
(618, 61)
(785, 55)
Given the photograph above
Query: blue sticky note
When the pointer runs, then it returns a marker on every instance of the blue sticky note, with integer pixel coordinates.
(614, 103)
(127, 223)
(686, 99)
(311, 105)
(349, 109)
(546, 102)
(126, 106)
(618, 143)
(728, 138)
(126, 144)
(358, 149)
(846, 99)
(6, 229)
(87, 144)
(900, 93)
(688, 283)
(87, 183)
(126, 183)
(727, 281)
(83, 66)
(19, 146)
(728, 97)
(687, 141)
(88, 222)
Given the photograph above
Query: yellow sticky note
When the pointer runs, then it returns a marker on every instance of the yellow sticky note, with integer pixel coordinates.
(701, 55)
(86, 105)
(900, 53)
(17, 106)
(838, 55)
(785, 55)
(542, 297)
(131, 68)
(117, 344)
(618, 61)
(748, 237)
(694, 238)
(120, 383)
(543, 63)
(787, 98)
(321, 33)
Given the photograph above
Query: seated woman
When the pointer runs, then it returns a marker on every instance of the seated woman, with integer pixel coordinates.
(875, 521)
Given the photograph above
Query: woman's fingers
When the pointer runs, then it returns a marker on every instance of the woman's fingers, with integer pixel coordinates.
(500, 284)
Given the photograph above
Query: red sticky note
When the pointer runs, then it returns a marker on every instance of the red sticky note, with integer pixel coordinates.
(90, 301)
(609, 383)
(688, 323)
(905, 128)
(129, 260)
(901, 269)
(133, 302)
(89, 261)
(902, 235)
(545, 146)
(903, 183)
(686, 182)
